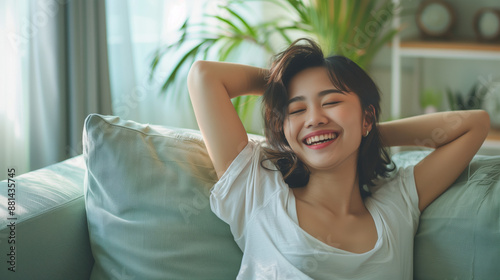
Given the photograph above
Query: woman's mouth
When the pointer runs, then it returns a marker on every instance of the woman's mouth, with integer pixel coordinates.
(321, 140)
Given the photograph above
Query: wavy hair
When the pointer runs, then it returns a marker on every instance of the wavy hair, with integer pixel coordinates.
(345, 75)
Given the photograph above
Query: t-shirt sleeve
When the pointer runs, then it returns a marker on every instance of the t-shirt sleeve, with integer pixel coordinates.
(400, 191)
(409, 192)
(243, 189)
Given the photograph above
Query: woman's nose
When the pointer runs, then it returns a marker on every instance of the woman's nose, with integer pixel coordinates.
(316, 117)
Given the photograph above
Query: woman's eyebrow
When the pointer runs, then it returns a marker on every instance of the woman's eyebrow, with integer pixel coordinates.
(320, 94)
(328, 91)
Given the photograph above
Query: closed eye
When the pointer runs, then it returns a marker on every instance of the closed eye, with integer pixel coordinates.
(332, 103)
(296, 111)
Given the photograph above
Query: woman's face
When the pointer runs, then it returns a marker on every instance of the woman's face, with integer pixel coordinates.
(324, 126)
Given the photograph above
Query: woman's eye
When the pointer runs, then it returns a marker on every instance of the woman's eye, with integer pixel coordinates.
(296, 111)
(331, 103)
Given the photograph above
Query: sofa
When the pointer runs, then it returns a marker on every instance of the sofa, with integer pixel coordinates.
(135, 205)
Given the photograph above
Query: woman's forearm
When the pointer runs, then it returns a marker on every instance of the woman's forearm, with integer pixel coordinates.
(435, 130)
(211, 86)
(236, 79)
(456, 137)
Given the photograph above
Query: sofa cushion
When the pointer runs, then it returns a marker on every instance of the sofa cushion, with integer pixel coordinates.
(146, 193)
(459, 233)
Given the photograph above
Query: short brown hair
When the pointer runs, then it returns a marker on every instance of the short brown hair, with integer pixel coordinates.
(373, 159)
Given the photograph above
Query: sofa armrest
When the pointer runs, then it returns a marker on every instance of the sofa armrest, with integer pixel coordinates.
(49, 225)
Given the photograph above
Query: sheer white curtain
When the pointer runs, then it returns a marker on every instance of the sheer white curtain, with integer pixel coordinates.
(135, 30)
(14, 112)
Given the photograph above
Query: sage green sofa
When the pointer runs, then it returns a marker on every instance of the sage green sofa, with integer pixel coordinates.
(135, 206)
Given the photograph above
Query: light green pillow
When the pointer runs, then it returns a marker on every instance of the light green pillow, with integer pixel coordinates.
(146, 194)
(459, 233)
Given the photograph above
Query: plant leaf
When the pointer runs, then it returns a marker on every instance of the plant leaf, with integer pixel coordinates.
(190, 53)
(249, 29)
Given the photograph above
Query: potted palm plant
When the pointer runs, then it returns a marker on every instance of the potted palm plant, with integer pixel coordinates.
(354, 28)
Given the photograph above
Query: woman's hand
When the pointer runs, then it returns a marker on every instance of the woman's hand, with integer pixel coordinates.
(456, 137)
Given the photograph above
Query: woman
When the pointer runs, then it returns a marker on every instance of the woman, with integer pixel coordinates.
(321, 202)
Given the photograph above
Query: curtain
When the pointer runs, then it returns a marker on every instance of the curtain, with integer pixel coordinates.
(64, 78)
(68, 76)
(14, 114)
(135, 30)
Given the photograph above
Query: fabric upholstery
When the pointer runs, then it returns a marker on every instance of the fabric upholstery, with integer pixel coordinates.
(146, 194)
(147, 204)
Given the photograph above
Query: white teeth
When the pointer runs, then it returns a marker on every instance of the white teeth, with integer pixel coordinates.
(314, 139)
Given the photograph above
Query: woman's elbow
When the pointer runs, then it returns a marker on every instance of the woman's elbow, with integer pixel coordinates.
(484, 119)
(481, 122)
(197, 72)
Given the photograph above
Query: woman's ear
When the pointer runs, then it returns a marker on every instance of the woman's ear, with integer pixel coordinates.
(368, 120)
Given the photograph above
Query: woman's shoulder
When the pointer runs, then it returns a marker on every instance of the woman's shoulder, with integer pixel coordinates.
(399, 185)
(249, 166)
(395, 178)
(398, 189)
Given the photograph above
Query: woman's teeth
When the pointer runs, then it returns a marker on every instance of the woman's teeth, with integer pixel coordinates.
(318, 139)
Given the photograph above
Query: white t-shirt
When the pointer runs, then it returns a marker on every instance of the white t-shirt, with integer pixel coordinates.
(260, 210)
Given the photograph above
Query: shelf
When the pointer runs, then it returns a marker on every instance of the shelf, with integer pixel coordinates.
(491, 145)
(446, 49)
(422, 49)
(433, 49)
(494, 135)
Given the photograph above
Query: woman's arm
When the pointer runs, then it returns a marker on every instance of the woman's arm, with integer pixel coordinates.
(456, 137)
(211, 86)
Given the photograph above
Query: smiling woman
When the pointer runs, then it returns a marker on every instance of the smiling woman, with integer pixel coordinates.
(322, 188)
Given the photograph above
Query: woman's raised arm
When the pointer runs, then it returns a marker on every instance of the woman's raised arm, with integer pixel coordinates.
(211, 86)
(456, 137)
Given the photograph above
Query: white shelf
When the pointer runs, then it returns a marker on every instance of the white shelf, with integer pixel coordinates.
(438, 50)
(428, 49)
(454, 50)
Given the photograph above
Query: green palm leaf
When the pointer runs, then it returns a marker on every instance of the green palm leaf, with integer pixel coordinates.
(353, 28)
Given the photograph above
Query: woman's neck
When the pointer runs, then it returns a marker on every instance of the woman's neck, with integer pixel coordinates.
(334, 190)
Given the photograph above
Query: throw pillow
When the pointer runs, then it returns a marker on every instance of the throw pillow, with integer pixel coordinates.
(146, 194)
(459, 233)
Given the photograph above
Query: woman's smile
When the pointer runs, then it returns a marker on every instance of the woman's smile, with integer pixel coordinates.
(320, 139)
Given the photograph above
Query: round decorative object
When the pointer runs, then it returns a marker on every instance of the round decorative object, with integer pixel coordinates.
(435, 19)
(487, 24)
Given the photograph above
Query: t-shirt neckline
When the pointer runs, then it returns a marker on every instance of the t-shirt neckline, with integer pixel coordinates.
(292, 213)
